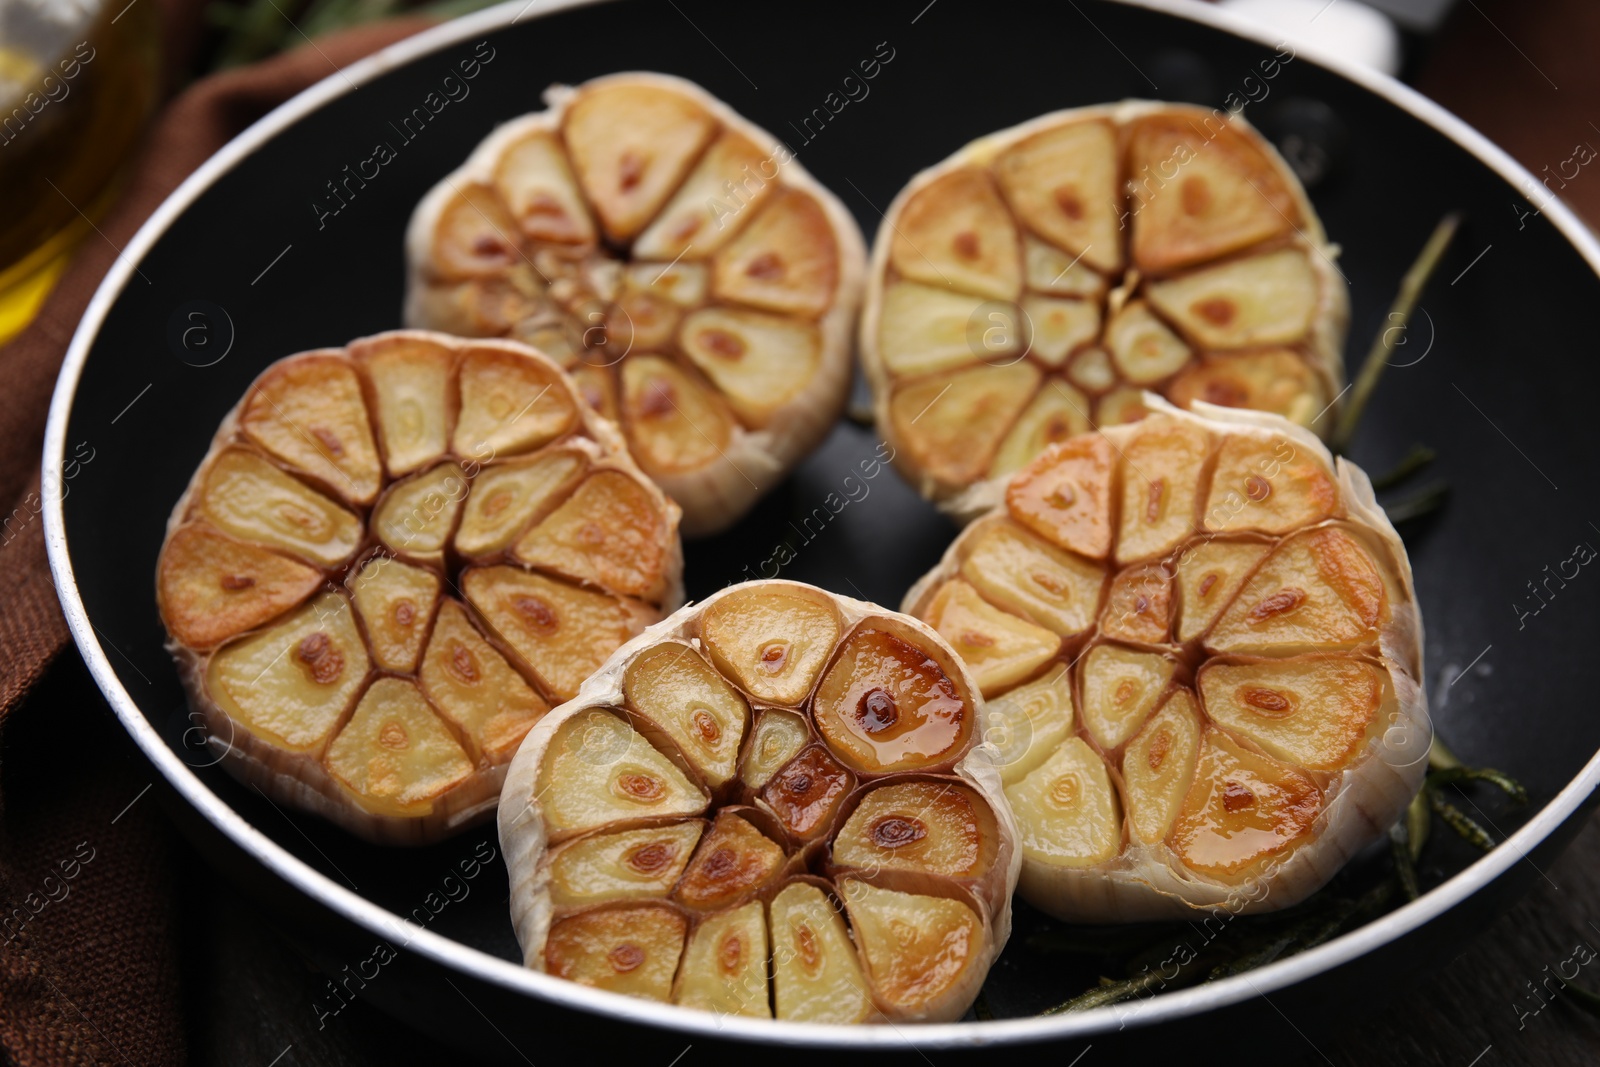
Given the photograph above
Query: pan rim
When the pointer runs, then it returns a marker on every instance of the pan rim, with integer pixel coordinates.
(1165, 1007)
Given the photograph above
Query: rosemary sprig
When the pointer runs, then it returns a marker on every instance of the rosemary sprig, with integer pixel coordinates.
(1395, 323)
(1412, 462)
(1460, 821)
(1405, 870)
(1424, 502)
(1453, 775)
(1108, 992)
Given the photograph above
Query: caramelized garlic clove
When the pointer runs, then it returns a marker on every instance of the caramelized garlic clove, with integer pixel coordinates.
(761, 363)
(1000, 649)
(674, 423)
(537, 186)
(1270, 299)
(1066, 498)
(1242, 811)
(732, 861)
(292, 682)
(675, 688)
(609, 533)
(415, 517)
(558, 633)
(816, 972)
(786, 260)
(1229, 191)
(413, 394)
(921, 951)
(211, 587)
(509, 404)
(927, 826)
(1158, 767)
(631, 949)
(622, 865)
(507, 497)
(955, 231)
(245, 496)
(1058, 411)
(1031, 578)
(598, 770)
(724, 969)
(474, 687)
(394, 754)
(773, 642)
(631, 145)
(1315, 712)
(954, 423)
(1063, 184)
(396, 602)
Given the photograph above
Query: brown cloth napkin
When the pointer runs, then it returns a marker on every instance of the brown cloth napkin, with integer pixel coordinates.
(88, 973)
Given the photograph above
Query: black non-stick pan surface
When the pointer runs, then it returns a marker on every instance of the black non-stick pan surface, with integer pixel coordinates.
(249, 262)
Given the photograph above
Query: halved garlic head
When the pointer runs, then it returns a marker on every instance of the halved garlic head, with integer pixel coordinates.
(700, 285)
(1029, 288)
(774, 803)
(1200, 647)
(395, 558)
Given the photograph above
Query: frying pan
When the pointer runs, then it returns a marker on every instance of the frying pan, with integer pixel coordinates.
(246, 263)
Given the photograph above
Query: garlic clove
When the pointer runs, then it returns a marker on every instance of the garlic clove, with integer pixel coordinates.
(509, 405)
(1275, 380)
(507, 497)
(1121, 687)
(599, 770)
(631, 146)
(395, 753)
(922, 952)
(925, 826)
(292, 682)
(1203, 187)
(778, 736)
(536, 185)
(412, 399)
(1033, 579)
(622, 865)
(1029, 722)
(1209, 575)
(785, 260)
(608, 533)
(954, 423)
(816, 974)
(1160, 488)
(759, 362)
(1143, 348)
(1139, 606)
(558, 633)
(1067, 499)
(1062, 183)
(1000, 649)
(956, 232)
(415, 517)
(733, 860)
(632, 949)
(308, 413)
(724, 969)
(1317, 590)
(475, 236)
(1242, 811)
(1057, 412)
(1268, 299)
(927, 329)
(1158, 767)
(474, 687)
(772, 643)
(807, 792)
(676, 689)
(395, 602)
(1059, 327)
(1067, 809)
(695, 223)
(1314, 712)
(211, 587)
(674, 423)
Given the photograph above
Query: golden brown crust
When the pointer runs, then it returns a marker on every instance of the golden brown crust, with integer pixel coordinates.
(263, 550)
(874, 734)
(1130, 246)
(704, 214)
(1222, 723)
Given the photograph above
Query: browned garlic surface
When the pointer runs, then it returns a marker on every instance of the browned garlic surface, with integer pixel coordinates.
(699, 284)
(1032, 285)
(393, 560)
(1201, 651)
(775, 804)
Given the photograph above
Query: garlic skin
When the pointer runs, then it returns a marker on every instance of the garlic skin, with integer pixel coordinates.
(923, 844)
(711, 315)
(1033, 284)
(1295, 696)
(330, 630)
